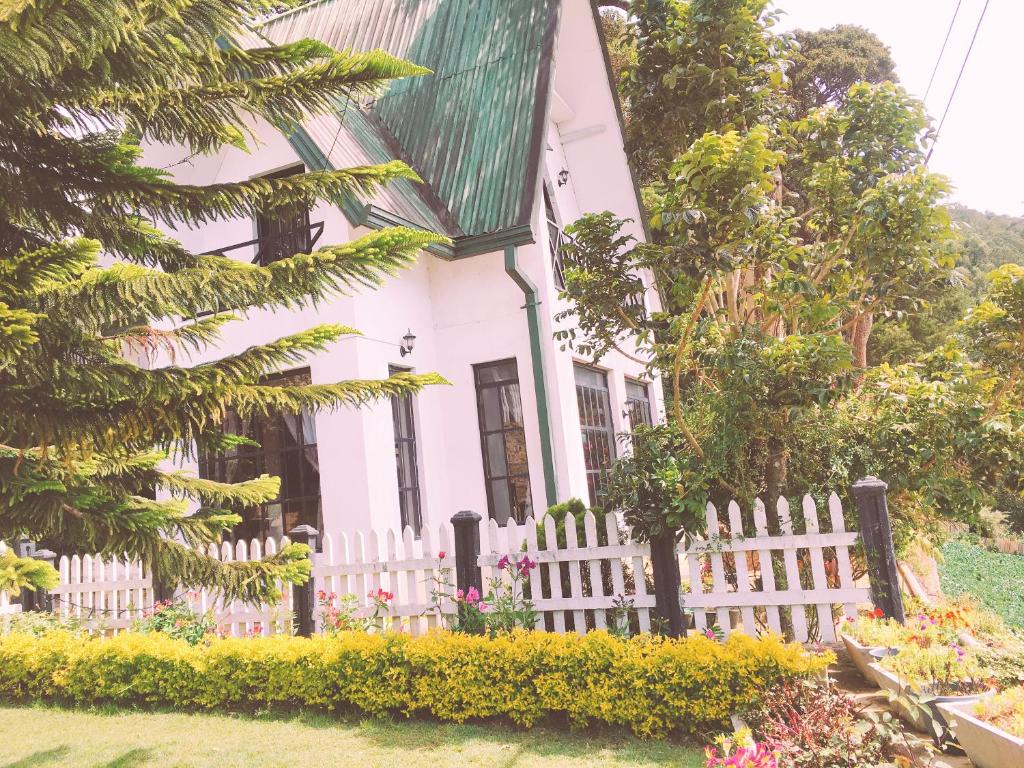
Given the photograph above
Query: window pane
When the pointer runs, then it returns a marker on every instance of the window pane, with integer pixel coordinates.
(494, 449)
(521, 500)
(491, 407)
(511, 406)
(515, 452)
(495, 372)
(501, 504)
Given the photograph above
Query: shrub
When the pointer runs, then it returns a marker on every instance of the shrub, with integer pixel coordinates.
(813, 725)
(178, 620)
(875, 632)
(1004, 710)
(653, 686)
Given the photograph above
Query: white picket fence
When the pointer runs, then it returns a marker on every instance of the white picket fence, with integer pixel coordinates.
(798, 584)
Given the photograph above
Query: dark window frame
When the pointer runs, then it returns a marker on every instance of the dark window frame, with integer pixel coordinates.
(509, 477)
(556, 237)
(639, 406)
(257, 520)
(289, 232)
(404, 405)
(590, 400)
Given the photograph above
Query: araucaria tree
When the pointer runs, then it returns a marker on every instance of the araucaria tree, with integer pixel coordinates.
(83, 428)
(777, 242)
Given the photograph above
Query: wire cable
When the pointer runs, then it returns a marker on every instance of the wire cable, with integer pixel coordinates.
(959, 76)
(942, 51)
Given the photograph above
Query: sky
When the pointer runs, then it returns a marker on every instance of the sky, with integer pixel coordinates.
(978, 148)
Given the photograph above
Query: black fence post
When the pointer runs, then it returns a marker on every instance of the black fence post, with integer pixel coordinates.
(665, 565)
(26, 548)
(43, 598)
(876, 533)
(467, 550)
(302, 594)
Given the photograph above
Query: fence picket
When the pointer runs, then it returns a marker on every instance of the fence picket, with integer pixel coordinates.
(536, 582)
(742, 572)
(835, 510)
(792, 572)
(718, 569)
(575, 580)
(826, 624)
(766, 566)
(554, 571)
(594, 567)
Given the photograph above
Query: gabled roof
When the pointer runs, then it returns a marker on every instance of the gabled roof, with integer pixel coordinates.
(473, 130)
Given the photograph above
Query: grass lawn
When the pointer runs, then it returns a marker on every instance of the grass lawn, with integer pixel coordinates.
(995, 578)
(40, 737)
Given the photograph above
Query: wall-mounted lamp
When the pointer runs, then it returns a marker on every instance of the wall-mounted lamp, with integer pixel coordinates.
(563, 177)
(407, 343)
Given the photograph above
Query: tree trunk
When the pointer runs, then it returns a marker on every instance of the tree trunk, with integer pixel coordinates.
(859, 340)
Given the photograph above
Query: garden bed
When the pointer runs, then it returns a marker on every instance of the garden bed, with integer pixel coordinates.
(986, 745)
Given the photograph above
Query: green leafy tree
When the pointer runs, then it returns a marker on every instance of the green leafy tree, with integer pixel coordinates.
(778, 245)
(700, 65)
(828, 62)
(83, 427)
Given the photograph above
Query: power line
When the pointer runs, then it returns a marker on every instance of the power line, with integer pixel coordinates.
(959, 76)
(942, 51)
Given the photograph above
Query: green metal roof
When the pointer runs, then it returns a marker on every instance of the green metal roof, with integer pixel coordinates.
(473, 130)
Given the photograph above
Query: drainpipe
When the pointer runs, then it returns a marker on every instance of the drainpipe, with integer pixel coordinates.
(539, 382)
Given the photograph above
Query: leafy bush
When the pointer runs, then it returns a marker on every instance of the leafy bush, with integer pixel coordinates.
(1004, 710)
(39, 623)
(875, 631)
(813, 725)
(17, 573)
(178, 620)
(651, 685)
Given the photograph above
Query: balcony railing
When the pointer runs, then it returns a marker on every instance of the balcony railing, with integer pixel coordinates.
(271, 248)
(268, 249)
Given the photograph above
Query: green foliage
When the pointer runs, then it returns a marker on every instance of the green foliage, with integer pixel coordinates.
(650, 685)
(827, 62)
(994, 578)
(654, 487)
(93, 387)
(177, 619)
(700, 66)
(18, 573)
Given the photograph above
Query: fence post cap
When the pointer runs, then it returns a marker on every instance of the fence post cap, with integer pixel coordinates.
(303, 534)
(466, 516)
(869, 483)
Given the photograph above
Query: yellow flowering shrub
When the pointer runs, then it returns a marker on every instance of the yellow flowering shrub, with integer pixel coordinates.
(653, 686)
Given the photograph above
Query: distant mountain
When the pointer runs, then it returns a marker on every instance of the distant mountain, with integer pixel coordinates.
(989, 240)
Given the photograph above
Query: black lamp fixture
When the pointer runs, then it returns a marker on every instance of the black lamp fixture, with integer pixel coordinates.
(563, 177)
(407, 343)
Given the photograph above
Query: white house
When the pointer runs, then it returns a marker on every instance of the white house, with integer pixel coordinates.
(516, 132)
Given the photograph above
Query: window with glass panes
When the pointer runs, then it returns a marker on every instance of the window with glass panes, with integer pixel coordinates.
(638, 404)
(283, 231)
(403, 414)
(285, 447)
(503, 440)
(596, 428)
(556, 239)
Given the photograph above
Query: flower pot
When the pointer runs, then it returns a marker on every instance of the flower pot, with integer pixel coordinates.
(921, 719)
(861, 657)
(912, 716)
(985, 745)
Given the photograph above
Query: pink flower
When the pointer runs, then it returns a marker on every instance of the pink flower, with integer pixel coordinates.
(460, 595)
(503, 563)
(441, 555)
(473, 595)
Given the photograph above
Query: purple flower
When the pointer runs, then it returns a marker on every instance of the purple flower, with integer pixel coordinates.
(503, 563)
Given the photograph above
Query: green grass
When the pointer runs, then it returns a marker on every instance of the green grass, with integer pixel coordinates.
(41, 737)
(995, 578)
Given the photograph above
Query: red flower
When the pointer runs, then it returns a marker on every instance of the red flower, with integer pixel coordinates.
(441, 554)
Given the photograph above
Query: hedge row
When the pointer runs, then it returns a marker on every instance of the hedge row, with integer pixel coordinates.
(653, 686)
